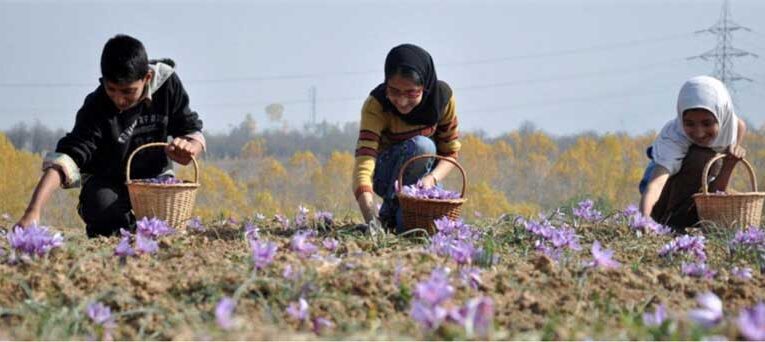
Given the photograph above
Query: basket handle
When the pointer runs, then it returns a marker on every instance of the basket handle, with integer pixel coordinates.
(459, 167)
(158, 144)
(704, 175)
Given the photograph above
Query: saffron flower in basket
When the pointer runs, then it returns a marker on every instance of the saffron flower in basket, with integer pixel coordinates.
(163, 180)
(418, 191)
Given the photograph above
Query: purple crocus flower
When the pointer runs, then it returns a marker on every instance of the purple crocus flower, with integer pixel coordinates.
(631, 210)
(299, 310)
(33, 240)
(436, 289)
(693, 245)
(435, 192)
(743, 273)
(100, 314)
(751, 322)
(301, 218)
(602, 259)
(429, 316)
(196, 225)
(153, 228)
(251, 232)
(300, 244)
(698, 270)
(552, 253)
(324, 218)
(586, 211)
(641, 223)
(282, 220)
(123, 248)
(164, 180)
(565, 237)
(476, 316)
(750, 237)
(145, 244)
(657, 318)
(462, 252)
(711, 311)
(330, 244)
(321, 323)
(471, 276)
(447, 226)
(224, 312)
(263, 253)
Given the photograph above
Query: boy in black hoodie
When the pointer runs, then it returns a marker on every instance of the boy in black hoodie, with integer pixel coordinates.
(138, 102)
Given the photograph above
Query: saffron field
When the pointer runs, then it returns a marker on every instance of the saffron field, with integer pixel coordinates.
(267, 260)
(573, 273)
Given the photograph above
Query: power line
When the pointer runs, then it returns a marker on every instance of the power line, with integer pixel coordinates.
(574, 76)
(724, 53)
(601, 97)
(359, 99)
(554, 53)
(567, 52)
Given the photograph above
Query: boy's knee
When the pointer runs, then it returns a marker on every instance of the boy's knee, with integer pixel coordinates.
(102, 205)
(423, 145)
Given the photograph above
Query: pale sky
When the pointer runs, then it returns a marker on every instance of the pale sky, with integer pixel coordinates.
(567, 66)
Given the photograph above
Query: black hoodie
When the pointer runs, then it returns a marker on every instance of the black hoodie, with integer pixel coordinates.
(103, 138)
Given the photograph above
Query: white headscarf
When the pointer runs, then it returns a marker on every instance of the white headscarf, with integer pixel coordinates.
(703, 92)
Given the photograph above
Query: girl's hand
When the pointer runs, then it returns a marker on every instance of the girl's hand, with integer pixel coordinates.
(428, 181)
(181, 150)
(735, 152)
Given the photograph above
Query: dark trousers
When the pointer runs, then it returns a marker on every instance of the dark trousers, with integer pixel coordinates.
(675, 207)
(105, 207)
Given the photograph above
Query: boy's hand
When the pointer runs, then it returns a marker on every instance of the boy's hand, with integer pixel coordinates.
(29, 218)
(181, 150)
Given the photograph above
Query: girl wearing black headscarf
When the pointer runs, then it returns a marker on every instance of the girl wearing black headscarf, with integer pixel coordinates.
(410, 114)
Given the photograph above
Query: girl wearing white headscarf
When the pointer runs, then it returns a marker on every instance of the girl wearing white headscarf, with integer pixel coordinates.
(706, 124)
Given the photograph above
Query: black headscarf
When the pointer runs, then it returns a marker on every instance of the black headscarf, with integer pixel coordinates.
(436, 94)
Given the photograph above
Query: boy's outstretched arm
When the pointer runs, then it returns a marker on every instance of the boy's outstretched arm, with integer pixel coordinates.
(50, 181)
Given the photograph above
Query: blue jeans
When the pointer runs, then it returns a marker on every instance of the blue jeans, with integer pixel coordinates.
(386, 172)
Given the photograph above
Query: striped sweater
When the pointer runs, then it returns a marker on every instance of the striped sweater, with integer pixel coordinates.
(380, 129)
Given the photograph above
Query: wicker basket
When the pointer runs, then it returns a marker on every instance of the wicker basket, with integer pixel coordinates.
(172, 203)
(421, 212)
(729, 210)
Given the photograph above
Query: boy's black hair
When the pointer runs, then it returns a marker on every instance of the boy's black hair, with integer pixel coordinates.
(124, 60)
